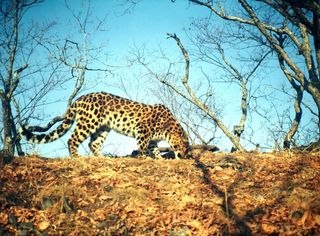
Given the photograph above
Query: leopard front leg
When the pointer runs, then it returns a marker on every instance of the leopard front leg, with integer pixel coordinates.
(143, 139)
(142, 145)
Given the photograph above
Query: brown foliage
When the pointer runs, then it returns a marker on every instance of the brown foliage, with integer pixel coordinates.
(252, 193)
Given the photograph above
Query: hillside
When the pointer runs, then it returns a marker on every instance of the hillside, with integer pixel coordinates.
(219, 194)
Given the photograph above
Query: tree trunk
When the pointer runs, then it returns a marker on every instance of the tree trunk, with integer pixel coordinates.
(297, 118)
(315, 93)
(8, 140)
(16, 136)
(237, 131)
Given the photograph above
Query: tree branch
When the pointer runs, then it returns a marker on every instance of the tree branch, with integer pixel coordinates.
(197, 101)
(16, 79)
(13, 50)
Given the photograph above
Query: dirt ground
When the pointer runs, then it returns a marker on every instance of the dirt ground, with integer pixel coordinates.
(216, 194)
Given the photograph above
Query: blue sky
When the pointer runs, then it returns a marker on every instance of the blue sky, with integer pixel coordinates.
(147, 24)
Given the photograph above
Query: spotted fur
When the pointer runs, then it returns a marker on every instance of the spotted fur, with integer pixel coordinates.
(96, 114)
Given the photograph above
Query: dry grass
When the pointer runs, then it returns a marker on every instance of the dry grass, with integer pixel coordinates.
(218, 194)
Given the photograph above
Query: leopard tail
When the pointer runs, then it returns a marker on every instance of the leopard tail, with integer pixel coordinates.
(53, 135)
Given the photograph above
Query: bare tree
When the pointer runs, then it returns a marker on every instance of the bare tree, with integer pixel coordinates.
(21, 95)
(234, 73)
(293, 34)
(76, 56)
(10, 44)
(210, 42)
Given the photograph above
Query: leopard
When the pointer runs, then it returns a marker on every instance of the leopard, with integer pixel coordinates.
(96, 114)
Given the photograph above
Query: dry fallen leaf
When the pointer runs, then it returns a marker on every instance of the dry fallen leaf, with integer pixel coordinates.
(268, 228)
(43, 225)
(105, 198)
(268, 193)
(3, 218)
(100, 215)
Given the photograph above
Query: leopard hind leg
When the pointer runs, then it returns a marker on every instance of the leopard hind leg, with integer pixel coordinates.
(77, 137)
(97, 139)
(153, 149)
